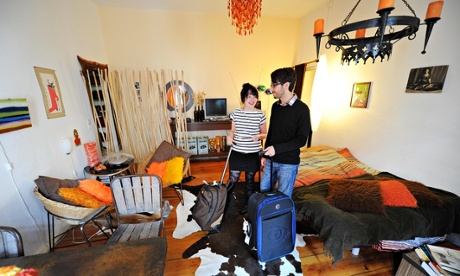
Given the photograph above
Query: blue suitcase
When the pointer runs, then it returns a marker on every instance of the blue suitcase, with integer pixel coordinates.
(272, 225)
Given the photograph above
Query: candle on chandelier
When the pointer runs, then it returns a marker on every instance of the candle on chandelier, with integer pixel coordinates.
(319, 26)
(360, 33)
(434, 9)
(385, 4)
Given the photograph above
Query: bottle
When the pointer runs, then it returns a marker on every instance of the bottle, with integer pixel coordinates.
(218, 144)
(195, 115)
(201, 114)
(224, 143)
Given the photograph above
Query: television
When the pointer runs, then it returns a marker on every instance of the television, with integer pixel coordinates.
(215, 108)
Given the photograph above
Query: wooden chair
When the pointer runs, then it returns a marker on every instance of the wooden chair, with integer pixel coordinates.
(12, 246)
(139, 208)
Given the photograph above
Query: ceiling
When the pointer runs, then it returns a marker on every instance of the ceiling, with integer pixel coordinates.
(272, 8)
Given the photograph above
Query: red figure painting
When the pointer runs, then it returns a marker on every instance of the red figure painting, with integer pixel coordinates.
(53, 98)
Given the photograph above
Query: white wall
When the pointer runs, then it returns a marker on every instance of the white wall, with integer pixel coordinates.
(205, 46)
(411, 135)
(50, 34)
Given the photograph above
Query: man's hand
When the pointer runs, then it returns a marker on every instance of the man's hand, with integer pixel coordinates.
(270, 151)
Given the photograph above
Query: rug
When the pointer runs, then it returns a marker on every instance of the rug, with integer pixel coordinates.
(227, 252)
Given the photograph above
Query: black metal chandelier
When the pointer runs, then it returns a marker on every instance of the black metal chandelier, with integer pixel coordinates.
(389, 30)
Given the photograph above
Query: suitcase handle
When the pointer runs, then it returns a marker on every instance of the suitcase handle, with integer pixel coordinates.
(226, 164)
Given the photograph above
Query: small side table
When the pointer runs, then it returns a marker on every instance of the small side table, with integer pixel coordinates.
(110, 172)
(410, 265)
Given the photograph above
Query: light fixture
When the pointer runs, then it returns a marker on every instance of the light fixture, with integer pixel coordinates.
(388, 30)
(244, 14)
(66, 145)
(318, 93)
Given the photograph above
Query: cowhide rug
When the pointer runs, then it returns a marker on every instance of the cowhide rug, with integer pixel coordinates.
(227, 252)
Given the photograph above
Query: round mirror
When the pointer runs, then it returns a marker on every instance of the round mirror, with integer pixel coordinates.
(178, 94)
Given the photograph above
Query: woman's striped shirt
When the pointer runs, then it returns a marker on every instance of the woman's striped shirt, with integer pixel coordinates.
(247, 125)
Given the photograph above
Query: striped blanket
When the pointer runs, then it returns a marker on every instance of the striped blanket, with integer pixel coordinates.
(324, 162)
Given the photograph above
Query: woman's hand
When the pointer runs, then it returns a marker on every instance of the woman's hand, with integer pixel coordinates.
(229, 140)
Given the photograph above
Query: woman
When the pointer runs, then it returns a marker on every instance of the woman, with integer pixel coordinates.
(249, 128)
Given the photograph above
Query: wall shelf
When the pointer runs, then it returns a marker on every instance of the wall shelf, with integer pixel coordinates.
(205, 126)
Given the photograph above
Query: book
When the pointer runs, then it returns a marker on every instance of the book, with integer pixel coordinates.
(447, 258)
(429, 269)
(439, 271)
(423, 257)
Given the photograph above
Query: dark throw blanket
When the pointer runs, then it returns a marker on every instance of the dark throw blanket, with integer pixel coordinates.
(342, 230)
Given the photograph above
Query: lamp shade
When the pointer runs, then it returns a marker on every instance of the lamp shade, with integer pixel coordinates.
(318, 92)
(66, 145)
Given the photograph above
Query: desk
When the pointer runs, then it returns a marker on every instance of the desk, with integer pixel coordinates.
(140, 257)
(111, 171)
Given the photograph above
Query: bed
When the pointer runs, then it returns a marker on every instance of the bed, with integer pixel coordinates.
(349, 204)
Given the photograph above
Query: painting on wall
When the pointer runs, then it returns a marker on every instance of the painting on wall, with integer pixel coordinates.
(360, 94)
(427, 79)
(14, 115)
(51, 92)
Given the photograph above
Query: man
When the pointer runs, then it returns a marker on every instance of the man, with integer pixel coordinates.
(288, 132)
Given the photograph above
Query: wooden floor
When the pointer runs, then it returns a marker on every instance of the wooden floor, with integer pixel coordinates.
(314, 262)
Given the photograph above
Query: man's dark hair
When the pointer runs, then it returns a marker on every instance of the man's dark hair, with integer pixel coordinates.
(284, 75)
(248, 89)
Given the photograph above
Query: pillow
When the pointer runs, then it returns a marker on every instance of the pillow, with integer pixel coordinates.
(173, 172)
(157, 168)
(97, 189)
(396, 194)
(356, 196)
(166, 151)
(79, 197)
(48, 187)
(422, 194)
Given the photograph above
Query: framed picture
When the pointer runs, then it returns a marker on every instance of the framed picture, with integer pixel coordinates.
(360, 94)
(51, 92)
(427, 79)
(14, 115)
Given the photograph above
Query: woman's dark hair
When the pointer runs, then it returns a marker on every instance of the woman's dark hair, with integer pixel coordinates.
(284, 75)
(247, 90)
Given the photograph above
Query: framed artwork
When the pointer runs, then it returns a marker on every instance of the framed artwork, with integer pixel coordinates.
(360, 94)
(14, 115)
(51, 92)
(427, 79)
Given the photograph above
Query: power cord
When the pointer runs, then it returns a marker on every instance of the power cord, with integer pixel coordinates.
(19, 193)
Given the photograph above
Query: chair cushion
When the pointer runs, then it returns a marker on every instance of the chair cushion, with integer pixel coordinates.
(170, 171)
(157, 168)
(80, 198)
(167, 151)
(173, 172)
(97, 189)
(48, 187)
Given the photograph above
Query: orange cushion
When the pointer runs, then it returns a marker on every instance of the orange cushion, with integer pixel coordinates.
(79, 197)
(173, 173)
(157, 168)
(396, 194)
(96, 189)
